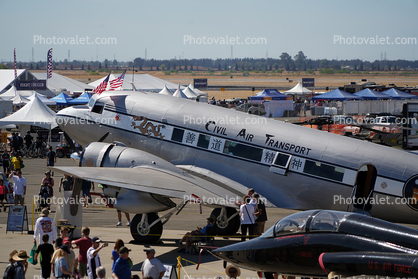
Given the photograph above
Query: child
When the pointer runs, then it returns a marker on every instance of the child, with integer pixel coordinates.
(3, 190)
(46, 250)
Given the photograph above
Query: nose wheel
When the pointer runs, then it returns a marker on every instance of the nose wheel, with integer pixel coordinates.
(227, 220)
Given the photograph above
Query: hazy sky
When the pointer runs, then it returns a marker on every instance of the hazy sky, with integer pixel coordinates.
(189, 29)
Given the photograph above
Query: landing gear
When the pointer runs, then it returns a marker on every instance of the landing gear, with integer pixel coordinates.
(143, 230)
(227, 220)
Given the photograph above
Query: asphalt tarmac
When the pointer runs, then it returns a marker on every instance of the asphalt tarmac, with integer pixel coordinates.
(102, 222)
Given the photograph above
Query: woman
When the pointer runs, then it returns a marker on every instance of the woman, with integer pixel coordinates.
(115, 253)
(49, 182)
(60, 265)
(247, 212)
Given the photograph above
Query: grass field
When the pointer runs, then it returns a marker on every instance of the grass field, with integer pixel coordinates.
(267, 80)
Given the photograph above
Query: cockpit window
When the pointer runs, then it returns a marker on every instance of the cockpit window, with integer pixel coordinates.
(98, 107)
(92, 100)
(327, 221)
(295, 223)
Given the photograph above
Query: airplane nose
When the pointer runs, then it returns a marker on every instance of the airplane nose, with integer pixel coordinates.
(233, 253)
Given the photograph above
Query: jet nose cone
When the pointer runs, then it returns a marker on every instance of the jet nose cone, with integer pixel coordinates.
(232, 253)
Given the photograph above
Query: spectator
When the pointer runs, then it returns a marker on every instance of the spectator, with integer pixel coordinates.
(196, 233)
(64, 232)
(70, 257)
(10, 265)
(46, 250)
(83, 244)
(101, 272)
(61, 266)
(6, 161)
(28, 140)
(45, 225)
(17, 161)
(85, 188)
(152, 266)
(93, 258)
(247, 211)
(3, 191)
(122, 268)
(115, 253)
(49, 182)
(232, 271)
(66, 182)
(51, 157)
(261, 215)
(21, 264)
(120, 219)
(19, 187)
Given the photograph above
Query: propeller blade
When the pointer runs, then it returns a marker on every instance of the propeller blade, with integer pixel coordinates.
(104, 137)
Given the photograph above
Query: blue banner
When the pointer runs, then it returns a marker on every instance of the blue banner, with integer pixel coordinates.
(30, 85)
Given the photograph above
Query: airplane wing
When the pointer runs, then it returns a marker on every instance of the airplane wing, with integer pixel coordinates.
(348, 264)
(160, 182)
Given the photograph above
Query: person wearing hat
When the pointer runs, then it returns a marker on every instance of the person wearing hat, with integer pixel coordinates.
(45, 225)
(232, 271)
(122, 268)
(46, 250)
(196, 233)
(93, 258)
(60, 266)
(19, 187)
(152, 266)
(21, 264)
(10, 266)
(70, 257)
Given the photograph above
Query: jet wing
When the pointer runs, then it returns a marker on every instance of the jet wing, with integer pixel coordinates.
(160, 182)
(348, 264)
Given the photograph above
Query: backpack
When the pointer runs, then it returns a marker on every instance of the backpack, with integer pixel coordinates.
(9, 272)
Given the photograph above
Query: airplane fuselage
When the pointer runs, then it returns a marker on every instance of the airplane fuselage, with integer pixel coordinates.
(293, 167)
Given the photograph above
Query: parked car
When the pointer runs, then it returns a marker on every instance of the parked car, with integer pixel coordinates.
(257, 109)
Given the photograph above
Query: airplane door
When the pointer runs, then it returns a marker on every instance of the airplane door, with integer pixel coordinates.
(363, 189)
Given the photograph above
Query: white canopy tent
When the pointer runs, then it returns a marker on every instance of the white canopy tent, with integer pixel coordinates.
(33, 113)
(165, 91)
(179, 93)
(43, 99)
(189, 93)
(19, 100)
(298, 90)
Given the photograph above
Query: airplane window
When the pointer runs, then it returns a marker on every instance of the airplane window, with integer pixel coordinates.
(323, 170)
(203, 141)
(91, 102)
(281, 160)
(177, 135)
(242, 150)
(98, 108)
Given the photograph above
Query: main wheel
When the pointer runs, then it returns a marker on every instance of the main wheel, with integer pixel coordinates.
(60, 153)
(222, 226)
(145, 234)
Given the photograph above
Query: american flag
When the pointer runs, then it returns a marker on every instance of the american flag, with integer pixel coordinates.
(102, 86)
(116, 83)
(15, 65)
(49, 64)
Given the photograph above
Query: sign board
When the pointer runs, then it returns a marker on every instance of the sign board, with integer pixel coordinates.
(170, 271)
(200, 83)
(17, 220)
(308, 82)
(3, 137)
(222, 89)
(30, 85)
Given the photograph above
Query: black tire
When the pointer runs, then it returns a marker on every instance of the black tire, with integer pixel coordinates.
(154, 233)
(60, 153)
(233, 224)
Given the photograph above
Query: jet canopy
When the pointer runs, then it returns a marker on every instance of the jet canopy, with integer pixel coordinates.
(308, 221)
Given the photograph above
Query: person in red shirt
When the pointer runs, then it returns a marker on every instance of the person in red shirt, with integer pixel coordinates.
(83, 244)
(2, 193)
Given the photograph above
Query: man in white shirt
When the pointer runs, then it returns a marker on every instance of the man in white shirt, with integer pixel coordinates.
(152, 266)
(19, 187)
(45, 225)
(93, 259)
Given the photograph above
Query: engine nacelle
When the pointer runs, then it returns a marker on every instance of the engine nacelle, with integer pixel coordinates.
(139, 202)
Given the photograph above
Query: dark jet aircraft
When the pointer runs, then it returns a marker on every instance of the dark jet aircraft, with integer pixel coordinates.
(324, 243)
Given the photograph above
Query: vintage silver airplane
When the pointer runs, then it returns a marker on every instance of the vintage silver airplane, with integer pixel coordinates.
(161, 147)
